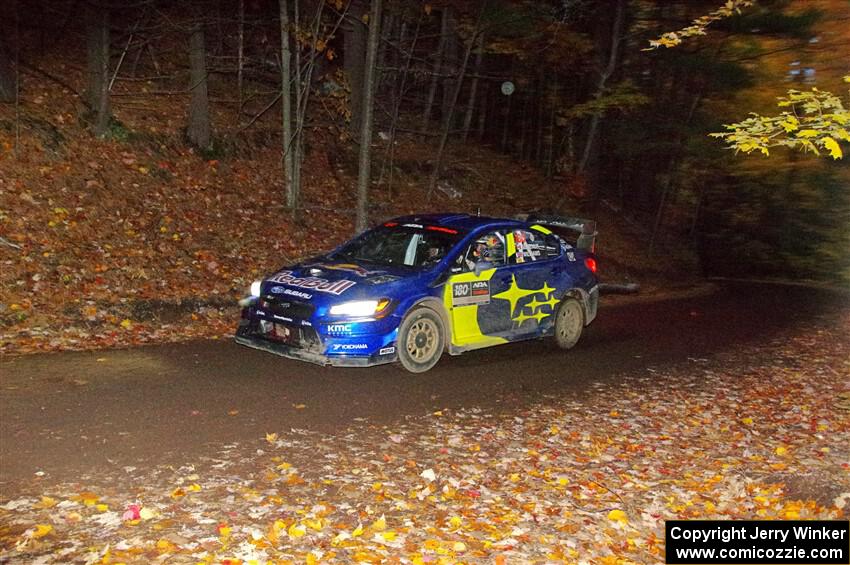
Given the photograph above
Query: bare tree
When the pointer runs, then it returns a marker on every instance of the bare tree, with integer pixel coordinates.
(604, 74)
(354, 38)
(448, 118)
(198, 131)
(438, 65)
(240, 54)
(7, 75)
(97, 43)
(473, 87)
(286, 103)
(363, 176)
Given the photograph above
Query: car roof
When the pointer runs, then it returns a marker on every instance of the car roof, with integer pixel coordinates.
(462, 222)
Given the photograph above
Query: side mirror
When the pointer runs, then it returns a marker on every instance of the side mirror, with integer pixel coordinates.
(482, 266)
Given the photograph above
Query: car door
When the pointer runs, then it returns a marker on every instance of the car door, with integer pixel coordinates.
(533, 281)
(475, 319)
(503, 290)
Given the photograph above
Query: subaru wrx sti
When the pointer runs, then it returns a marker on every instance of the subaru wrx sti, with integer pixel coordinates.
(415, 287)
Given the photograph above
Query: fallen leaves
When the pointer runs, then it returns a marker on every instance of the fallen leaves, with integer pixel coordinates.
(557, 480)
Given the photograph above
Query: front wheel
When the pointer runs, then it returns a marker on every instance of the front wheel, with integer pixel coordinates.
(420, 340)
(569, 323)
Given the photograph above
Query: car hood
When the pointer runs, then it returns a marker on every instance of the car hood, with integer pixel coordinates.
(323, 281)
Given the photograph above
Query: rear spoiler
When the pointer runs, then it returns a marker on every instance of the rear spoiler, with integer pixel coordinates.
(586, 229)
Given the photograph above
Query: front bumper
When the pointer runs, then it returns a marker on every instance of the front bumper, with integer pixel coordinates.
(248, 335)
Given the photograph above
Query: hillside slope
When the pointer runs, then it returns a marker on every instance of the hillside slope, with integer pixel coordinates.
(137, 238)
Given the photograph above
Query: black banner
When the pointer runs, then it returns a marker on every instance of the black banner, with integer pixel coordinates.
(695, 542)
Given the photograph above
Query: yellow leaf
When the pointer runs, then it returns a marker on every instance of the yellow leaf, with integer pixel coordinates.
(781, 450)
(832, 146)
(358, 531)
(164, 546)
(377, 487)
(388, 536)
(146, 513)
(194, 487)
(102, 507)
(296, 530)
(126, 323)
(316, 524)
(271, 438)
(456, 521)
(41, 530)
(178, 492)
(807, 133)
(379, 524)
(46, 502)
(748, 421)
(459, 546)
(618, 516)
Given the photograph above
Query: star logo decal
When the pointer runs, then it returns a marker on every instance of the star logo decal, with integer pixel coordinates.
(515, 293)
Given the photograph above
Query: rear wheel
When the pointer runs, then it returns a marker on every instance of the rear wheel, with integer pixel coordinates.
(569, 323)
(421, 340)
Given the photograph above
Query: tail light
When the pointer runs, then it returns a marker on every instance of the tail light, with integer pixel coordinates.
(590, 263)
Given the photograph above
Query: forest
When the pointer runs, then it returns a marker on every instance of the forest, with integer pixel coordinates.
(146, 144)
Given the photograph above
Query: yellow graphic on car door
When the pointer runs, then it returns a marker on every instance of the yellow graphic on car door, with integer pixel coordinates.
(463, 295)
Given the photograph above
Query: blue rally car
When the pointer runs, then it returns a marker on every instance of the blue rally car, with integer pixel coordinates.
(416, 286)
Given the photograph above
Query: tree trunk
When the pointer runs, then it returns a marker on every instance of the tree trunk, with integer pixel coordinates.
(383, 45)
(506, 123)
(97, 42)
(397, 99)
(240, 53)
(473, 88)
(198, 131)
(395, 83)
(604, 75)
(550, 131)
(435, 70)
(286, 102)
(450, 64)
(7, 76)
(297, 136)
(362, 219)
(354, 61)
(447, 119)
(483, 110)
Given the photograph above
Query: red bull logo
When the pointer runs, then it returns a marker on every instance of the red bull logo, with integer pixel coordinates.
(313, 283)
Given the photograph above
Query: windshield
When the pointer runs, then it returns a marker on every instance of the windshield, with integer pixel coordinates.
(400, 246)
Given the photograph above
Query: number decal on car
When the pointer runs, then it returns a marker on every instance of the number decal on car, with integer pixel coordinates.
(469, 293)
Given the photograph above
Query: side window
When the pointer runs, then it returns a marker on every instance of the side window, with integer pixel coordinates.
(531, 245)
(554, 246)
(487, 248)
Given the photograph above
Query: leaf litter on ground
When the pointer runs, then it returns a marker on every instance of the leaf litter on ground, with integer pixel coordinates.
(755, 433)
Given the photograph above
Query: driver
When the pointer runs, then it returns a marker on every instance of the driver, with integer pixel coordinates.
(485, 249)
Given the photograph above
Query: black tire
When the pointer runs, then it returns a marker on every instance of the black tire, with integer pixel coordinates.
(569, 323)
(421, 340)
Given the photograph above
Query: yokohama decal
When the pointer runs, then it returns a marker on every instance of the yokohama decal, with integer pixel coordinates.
(313, 283)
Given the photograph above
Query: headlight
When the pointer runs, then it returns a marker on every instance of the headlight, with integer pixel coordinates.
(361, 308)
(255, 288)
